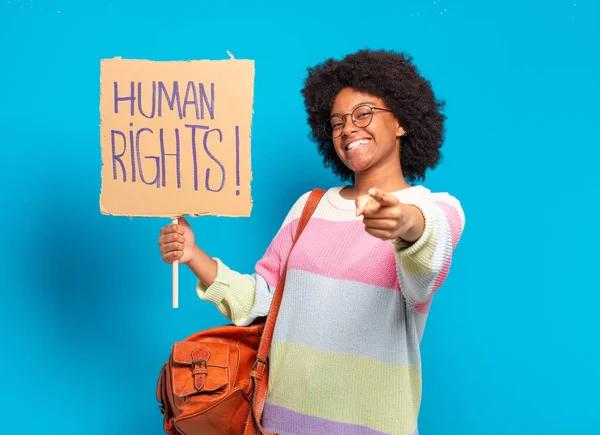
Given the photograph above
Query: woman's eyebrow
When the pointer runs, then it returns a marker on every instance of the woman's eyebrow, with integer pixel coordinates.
(359, 104)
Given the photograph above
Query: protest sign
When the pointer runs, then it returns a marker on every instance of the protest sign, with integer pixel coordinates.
(175, 138)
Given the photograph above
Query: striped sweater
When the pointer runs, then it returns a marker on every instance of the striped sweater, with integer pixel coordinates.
(345, 357)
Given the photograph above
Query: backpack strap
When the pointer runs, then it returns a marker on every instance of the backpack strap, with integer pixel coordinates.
(259, 393)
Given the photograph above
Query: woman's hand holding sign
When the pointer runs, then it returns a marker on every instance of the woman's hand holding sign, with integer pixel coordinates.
(386, 218)
(177, 243)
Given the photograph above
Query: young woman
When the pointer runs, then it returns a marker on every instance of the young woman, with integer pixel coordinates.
(345, 357)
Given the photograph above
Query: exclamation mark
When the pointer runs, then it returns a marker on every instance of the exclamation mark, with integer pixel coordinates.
(237, 159)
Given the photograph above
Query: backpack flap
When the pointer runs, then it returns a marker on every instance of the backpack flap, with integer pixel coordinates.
(199, 368)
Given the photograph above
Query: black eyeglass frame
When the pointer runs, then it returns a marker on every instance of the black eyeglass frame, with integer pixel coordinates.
(327, 127)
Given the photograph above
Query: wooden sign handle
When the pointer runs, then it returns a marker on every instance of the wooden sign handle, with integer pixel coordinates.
(175, 277)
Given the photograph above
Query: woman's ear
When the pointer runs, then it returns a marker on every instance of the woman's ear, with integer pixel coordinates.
(400, 131)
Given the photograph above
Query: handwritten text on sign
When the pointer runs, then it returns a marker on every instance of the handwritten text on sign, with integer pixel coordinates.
(175, 137)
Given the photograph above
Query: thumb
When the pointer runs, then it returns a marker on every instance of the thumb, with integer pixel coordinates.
(183, 222)
(361, 202)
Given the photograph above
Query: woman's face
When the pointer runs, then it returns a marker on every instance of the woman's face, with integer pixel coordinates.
(367, 148)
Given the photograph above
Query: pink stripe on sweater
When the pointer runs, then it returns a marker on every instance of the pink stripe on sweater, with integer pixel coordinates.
(269, 267)
(358, 248)
(456, 227)
(345, 251)
(423, 307)
(454, 222)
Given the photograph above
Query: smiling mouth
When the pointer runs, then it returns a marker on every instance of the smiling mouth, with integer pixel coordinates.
(357, 144)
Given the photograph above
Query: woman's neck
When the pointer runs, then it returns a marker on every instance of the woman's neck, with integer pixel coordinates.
(383, 181)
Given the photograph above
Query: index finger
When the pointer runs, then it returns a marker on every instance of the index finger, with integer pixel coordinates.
(384, 198)
(173, 228)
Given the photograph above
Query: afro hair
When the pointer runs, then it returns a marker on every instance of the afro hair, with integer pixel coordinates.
(392, 77)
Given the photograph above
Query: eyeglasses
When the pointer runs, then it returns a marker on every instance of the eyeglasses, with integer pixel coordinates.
(361, 117)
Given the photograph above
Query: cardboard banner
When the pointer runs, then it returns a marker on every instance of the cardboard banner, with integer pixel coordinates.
(175, 137)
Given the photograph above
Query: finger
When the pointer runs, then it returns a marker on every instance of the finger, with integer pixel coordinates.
(372, 210)
(173, 237)
(380, 212)
(384, 198)
(169, 238)
(361, 202)
(380, 224)
(173, 228)
(171, 247)
(172, 256)
(380, 234)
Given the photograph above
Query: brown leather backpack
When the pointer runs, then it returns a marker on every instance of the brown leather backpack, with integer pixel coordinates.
(215, 382)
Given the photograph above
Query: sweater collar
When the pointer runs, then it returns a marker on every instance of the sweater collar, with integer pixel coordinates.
(339, 202)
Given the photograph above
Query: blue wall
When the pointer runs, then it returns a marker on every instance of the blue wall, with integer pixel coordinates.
(511, 346)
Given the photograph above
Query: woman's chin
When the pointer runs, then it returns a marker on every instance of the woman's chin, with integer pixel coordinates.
(358, 166)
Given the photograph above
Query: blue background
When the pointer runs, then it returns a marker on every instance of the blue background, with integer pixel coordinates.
(511, 346)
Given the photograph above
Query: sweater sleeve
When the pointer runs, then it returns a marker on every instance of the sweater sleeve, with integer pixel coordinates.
(422, 266)
(243, 298)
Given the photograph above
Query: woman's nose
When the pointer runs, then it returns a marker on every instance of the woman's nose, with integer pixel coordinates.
(349, 127)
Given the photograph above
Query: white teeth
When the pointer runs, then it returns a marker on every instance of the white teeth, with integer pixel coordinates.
(357, 144)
